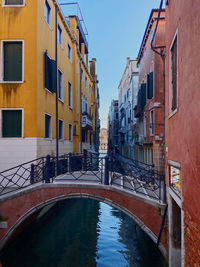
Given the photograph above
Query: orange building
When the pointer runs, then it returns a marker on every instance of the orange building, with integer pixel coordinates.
(103, 137)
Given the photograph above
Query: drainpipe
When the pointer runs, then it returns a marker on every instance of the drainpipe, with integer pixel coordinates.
(81, 109)
(162, 54)
(56, 59)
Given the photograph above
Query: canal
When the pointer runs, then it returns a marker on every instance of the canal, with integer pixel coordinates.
(82, 232)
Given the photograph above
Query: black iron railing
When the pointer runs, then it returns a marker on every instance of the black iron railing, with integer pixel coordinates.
(86, 168)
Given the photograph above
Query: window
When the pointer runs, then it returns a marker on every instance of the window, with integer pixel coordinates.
(12, 61)
(70, 94)
(151, 35)
(152, 122)
(90, 89)
(150, 85)
(47, 126)
(81, 74)
(85, 82)
(11, 123)
(59, 35)
(70, 132)
(60, 85)
(50, 73)
(175, 178)
(69, 53)
(13, 2)
(173, 75)
(48, 13)
(60, 129)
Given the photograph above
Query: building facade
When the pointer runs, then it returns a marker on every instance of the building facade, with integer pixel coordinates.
(113, 128)
(103, 137)
(182, 131)
(42, 54)
(127, 90)
(149, 110)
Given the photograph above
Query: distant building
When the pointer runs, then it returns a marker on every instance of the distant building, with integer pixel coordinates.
(103, 137)
(127, 91)
(182, 111)
(149, 109)
(113, 128)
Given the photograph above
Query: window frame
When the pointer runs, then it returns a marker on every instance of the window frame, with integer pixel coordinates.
(62, 130)
(50, 128)
(49, 23)
(172, 112)
(61, 99)
(70, 132)
(86, 82)
(2, 60)
(6, 5)
(1, 122)
(59, 35)
(152, 128)
(70, 99)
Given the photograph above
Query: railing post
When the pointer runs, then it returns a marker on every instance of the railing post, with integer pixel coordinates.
(106, 178)
(32, 174)
(47, 176)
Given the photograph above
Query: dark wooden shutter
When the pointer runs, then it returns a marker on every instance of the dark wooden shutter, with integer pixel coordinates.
(50, 75)
(150, 85)
(14, 2)
(12, 123)
(174, 74)
(12, 61)
(144, 95)
(47, 126)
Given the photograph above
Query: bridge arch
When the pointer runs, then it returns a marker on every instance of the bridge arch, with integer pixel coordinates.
(100, 193)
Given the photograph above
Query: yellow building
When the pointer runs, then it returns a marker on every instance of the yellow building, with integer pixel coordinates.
(39, 51)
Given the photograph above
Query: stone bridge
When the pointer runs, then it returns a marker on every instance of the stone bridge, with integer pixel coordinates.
(130, 195)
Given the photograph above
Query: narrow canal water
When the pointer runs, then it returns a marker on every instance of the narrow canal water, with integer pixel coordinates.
(82, 232)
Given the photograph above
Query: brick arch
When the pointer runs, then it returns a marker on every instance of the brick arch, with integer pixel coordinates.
(24, 208)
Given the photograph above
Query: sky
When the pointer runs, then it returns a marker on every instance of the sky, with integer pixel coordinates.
(115, 32)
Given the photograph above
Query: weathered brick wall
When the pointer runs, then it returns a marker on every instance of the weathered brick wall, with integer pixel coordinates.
(192, 242)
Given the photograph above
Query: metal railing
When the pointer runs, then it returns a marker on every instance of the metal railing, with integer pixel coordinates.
(86, 168)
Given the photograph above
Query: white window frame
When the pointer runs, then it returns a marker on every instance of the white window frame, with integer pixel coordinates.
(70, 132)
(4, 4)
(69, 51)
(171, 113)
(60, 98)
(50, 128)
(70, 99)
(60, 34)
(2, 58)
(62, 133)
(1, 122)
(49, 23)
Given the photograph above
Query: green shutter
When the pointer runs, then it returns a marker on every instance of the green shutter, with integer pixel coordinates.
(50, 73)
(14, 2)
(12, 61)
(12, 123)
(143, 93)
(150, 86)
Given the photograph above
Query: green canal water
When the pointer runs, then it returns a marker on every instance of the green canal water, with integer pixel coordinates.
(82, 232)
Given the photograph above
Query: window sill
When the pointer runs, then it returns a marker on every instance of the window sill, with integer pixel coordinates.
(48, 91)
(61, 140)
(48, 138)
(61, 100)
(11, 81)
(173, 113)
(70, 108)
(3, 5)
(48, 25)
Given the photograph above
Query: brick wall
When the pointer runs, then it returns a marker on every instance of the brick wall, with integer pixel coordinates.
(192, 242)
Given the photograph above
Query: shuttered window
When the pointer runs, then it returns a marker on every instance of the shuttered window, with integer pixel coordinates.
(150, 85)
(47, 126)
(60, 85)
(50, 73)
(143, 95)
(174, 74)
(70, 94)
(11, 123)
(12, 60)
(60, 128)
(14, 2)
(70, 132)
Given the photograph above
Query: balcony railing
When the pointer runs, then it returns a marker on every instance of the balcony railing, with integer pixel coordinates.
(86, 120)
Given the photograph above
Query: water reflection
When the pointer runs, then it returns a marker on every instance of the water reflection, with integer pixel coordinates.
(81, 232)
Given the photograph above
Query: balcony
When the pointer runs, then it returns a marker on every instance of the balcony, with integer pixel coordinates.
(86, 120)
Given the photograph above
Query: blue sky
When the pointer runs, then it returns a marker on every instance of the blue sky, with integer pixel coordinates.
(115, 32)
